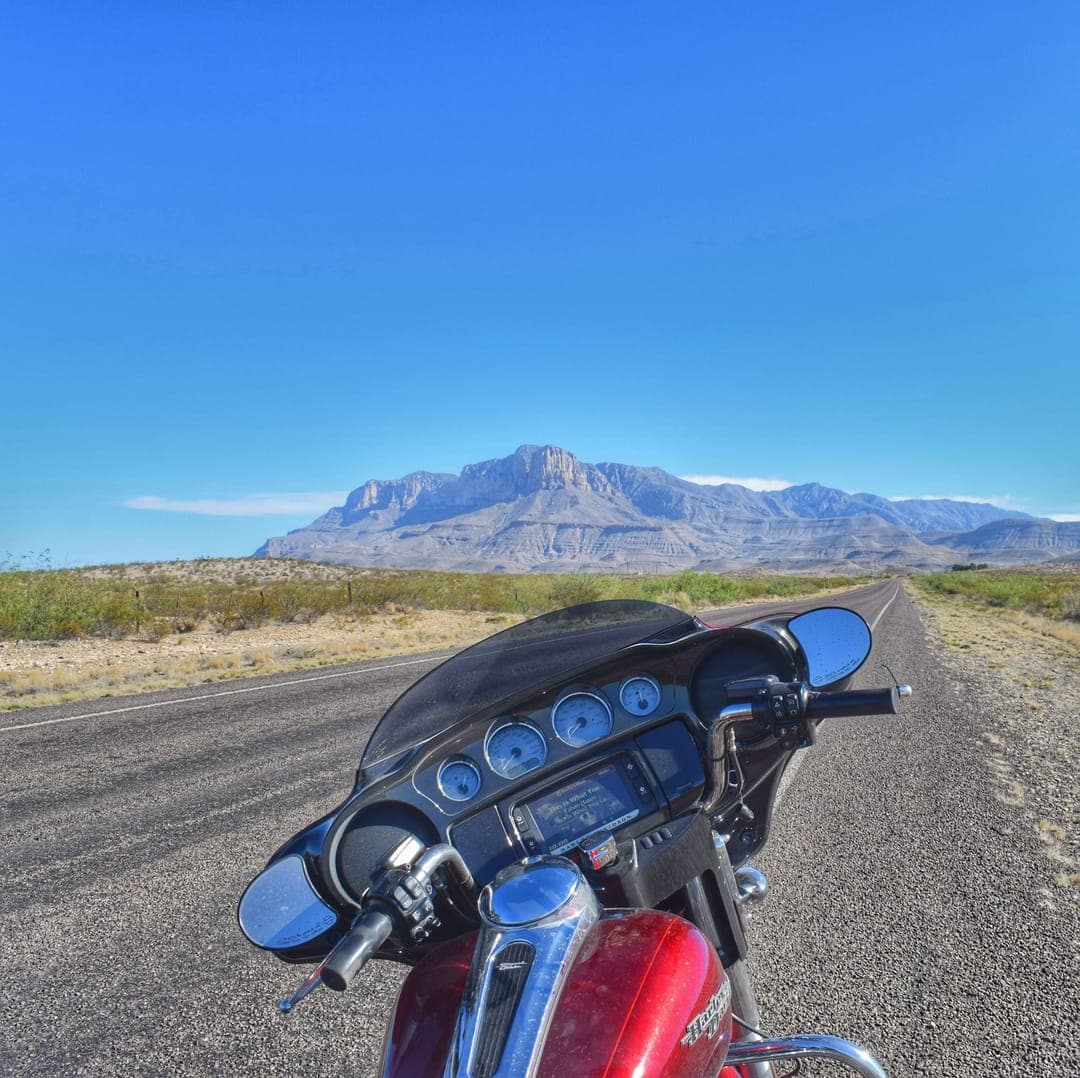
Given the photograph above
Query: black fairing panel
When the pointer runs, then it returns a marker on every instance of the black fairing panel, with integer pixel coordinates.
(376, 830)
(738, 653)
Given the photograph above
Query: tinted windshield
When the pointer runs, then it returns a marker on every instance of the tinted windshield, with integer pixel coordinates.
(512, 661)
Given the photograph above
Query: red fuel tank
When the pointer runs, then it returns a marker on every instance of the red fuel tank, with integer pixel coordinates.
(647, 996)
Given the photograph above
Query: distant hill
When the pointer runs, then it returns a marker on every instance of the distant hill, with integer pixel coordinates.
(542, 509)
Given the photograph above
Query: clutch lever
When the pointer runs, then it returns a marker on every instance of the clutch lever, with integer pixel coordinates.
(399, 898)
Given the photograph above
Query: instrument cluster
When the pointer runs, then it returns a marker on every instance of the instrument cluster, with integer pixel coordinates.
(514, 746)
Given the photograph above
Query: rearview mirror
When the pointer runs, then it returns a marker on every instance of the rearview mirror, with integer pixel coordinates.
(281, 909)
(835, 641)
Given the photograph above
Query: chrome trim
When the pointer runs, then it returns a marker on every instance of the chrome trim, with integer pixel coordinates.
(717, 756)
(593, 695)
(406, 853)
(753, 886)
(559, 910)
(504, 724)
(443, 854)
(528, 893)
(308, 985)
(904, 690)
(806, 1046)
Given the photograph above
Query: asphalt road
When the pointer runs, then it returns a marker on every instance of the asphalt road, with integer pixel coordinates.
(905, 912)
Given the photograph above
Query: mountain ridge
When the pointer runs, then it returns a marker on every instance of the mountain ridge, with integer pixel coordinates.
(543, 509)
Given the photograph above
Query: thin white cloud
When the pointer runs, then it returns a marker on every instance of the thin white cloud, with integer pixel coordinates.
(1065, 518)
(752, 481)
(246, 505)
(1006, 501)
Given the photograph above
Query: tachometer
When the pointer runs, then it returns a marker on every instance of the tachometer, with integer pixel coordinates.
(459, 778)
(515, 749)
(581, 717)
(640, 694)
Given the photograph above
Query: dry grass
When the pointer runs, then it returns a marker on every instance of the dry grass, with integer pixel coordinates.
(244, 593)
(968, 620)
(36, 673)
(1048, 591)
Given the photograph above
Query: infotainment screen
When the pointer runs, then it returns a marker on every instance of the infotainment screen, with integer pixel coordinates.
(598, 800)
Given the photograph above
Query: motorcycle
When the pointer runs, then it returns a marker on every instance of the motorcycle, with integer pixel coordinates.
(552, 828)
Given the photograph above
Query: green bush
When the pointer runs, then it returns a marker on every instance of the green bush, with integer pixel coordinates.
(1052, 595)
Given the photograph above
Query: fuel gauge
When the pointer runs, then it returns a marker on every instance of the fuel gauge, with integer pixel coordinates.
(459, 778)
(640, 694)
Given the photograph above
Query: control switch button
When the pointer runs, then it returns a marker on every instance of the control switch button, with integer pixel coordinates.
(599, 850)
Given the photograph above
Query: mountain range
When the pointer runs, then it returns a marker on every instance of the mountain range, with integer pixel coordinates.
(543, 509)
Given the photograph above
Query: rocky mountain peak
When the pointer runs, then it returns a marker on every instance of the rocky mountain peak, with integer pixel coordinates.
(528, 469)
(394, 493)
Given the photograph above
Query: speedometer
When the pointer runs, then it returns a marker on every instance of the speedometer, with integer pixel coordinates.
(515, 749)
(581, 717)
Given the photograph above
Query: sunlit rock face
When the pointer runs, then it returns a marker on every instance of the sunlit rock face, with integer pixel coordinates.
(543, 509)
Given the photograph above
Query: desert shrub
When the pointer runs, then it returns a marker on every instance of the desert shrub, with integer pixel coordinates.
(1049, 594)
(48, 603)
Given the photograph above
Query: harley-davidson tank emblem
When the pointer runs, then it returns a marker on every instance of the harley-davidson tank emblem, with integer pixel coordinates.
(708, 1021)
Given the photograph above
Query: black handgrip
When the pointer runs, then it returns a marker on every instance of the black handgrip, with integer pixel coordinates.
(839, 705)
(368, 934)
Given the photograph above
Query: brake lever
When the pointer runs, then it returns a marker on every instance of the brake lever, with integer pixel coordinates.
(308, 985)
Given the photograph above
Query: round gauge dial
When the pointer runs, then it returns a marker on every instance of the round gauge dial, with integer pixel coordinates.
(640, 694)
(515, 749)
(459, 778)
(581, 717)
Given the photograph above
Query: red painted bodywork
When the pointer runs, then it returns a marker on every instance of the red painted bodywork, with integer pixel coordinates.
(639, 981)
(418, 1040)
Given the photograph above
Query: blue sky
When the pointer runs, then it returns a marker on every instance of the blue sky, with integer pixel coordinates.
(254, 254)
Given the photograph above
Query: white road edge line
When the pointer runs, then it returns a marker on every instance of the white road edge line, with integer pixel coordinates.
(873, 624)
(212, 695)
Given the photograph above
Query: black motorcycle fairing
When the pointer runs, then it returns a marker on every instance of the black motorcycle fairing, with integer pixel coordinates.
(691, 666)
(526, 670)
(379, 827)
(514, 660)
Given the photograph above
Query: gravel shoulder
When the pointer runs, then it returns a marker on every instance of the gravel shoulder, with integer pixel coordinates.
(1026, 671)
(922, 901)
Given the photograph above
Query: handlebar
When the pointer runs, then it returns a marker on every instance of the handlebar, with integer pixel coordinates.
(400, 898)
(369, 932)
(791, 710)
(841, 705)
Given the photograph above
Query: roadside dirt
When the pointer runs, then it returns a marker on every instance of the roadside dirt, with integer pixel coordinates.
(1027, 670)
(35, 673)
